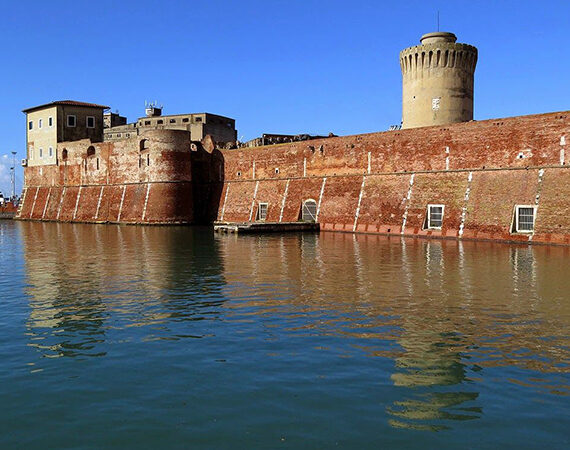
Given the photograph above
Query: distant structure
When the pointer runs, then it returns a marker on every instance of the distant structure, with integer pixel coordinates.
(60, 121)
(437, 81)
(221, 129)
(113, 119)
(273, 139)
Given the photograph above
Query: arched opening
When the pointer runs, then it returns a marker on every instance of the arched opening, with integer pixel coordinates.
(91, 151)
(64, 154)
(309, 211)
(143, 144)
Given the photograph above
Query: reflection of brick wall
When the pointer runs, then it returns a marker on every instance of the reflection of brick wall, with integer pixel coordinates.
(379, 183)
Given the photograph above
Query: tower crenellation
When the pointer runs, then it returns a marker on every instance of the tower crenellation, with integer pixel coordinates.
(437, 81)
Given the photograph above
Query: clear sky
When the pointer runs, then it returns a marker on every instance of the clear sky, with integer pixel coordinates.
(276, 66)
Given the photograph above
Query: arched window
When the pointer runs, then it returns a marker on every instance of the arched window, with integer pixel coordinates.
(64, 154)
(143, 144)
(309, 211)
(91, 151)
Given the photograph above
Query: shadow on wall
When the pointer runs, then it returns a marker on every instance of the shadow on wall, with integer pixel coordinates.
(207, 164)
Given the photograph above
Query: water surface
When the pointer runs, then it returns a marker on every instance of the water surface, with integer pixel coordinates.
(158, 337)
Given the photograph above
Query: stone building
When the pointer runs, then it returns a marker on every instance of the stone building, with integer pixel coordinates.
(60, 121)
(221, 129)
(113, 119)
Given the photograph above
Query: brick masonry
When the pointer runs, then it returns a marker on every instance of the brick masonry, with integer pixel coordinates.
(372, 183)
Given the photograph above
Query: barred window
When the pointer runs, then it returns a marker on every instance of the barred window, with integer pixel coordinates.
(262, 211)
(524, 218)
(435, 216)
(309, 211)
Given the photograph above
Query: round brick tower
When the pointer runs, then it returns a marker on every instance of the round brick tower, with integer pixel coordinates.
(437, 81)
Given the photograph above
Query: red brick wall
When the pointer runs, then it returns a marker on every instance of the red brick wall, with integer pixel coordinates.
(377, 183)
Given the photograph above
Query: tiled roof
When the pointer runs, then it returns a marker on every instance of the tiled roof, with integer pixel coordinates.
(66, 102)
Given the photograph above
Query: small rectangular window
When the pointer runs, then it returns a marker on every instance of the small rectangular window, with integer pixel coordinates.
(31, 153)
(30, 125)
(147, 122)
(90, 122)
(524, 218)
(262, 211)
(41, 152)
(71, 121)
(40, 123)
(50, 152)
(50, 122)
(185, 119)
(435, 216)
(160, 122)
(198, 119)
(172, 120)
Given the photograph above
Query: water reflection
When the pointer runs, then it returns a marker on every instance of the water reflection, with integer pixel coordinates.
(85, 280)
(432, 319)
(443, 311)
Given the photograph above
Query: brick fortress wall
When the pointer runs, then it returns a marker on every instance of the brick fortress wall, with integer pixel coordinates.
(146, 180)
(374, 183)
(383, 182)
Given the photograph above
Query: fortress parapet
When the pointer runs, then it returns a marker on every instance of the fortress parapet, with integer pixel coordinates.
(437, 81)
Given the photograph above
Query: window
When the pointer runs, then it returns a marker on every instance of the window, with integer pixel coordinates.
(143, 144)
(185, 119)
(71, 121)
(435, 103)
(262, 211)
(50, 152)
(524, 218)
(50, 122)
(31, 125)
(277, 170)
(160, 122)
(31, 153)
(147, 122)
(172, 120)
(198, 119)
(90, 122)
(91, 151)
(41, 152)
(435, 216)
(64, 154)
(40, 123)
(309, 211)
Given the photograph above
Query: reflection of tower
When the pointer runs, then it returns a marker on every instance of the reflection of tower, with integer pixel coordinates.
(437, 81)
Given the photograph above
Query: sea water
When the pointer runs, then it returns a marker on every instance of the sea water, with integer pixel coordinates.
(174, 337)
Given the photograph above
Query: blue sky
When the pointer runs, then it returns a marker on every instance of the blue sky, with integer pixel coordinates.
(297, 66)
